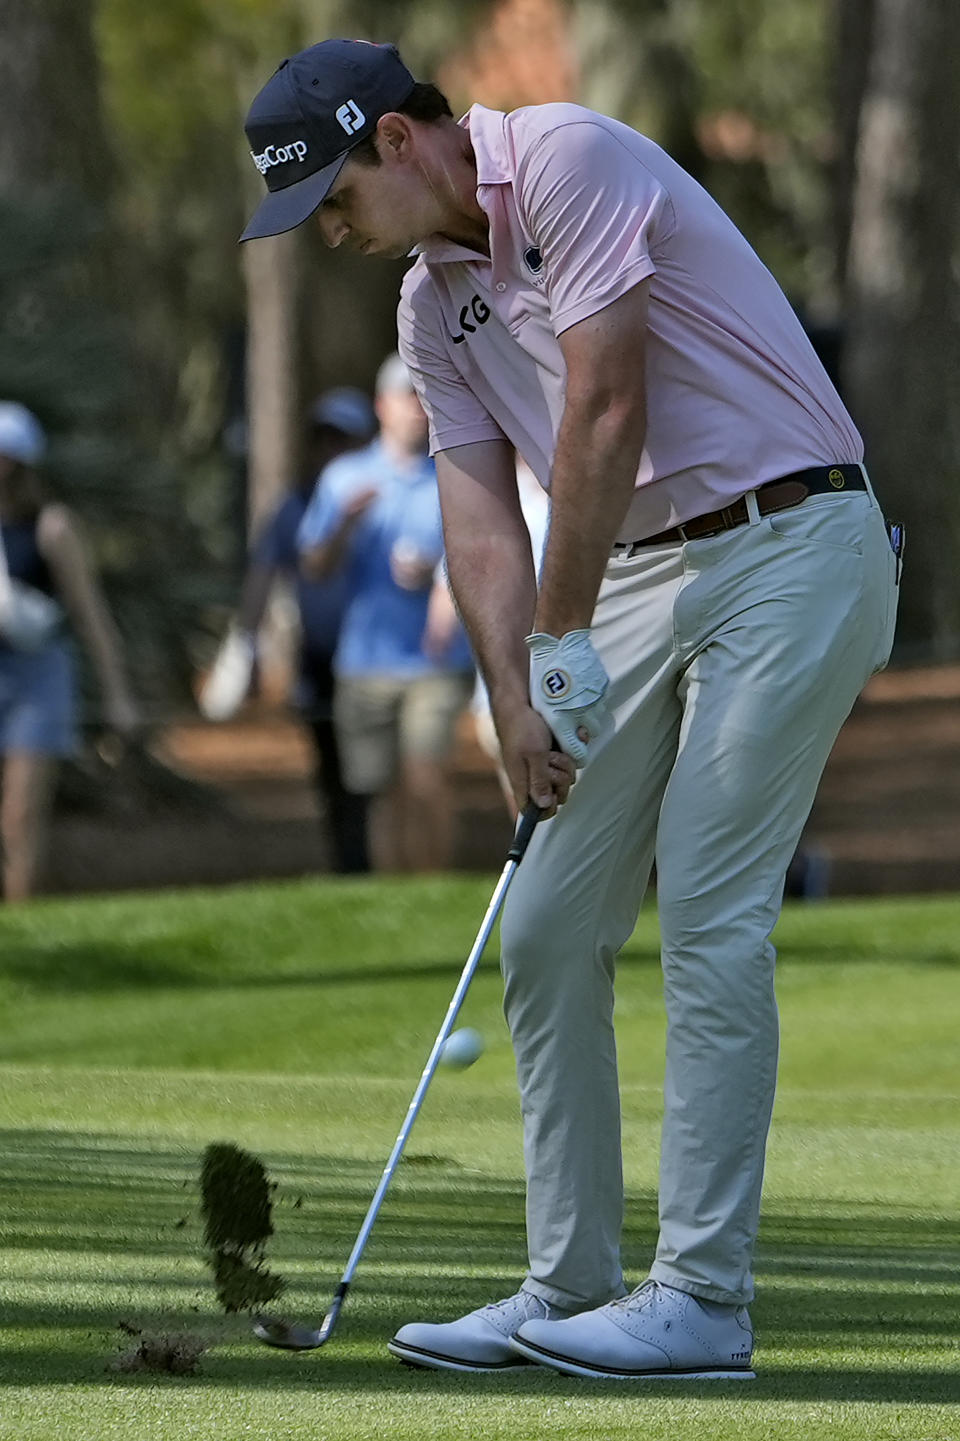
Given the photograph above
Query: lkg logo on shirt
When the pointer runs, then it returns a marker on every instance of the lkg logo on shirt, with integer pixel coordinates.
(480, 311)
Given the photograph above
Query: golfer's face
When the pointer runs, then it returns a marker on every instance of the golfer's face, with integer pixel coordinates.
(376, 210)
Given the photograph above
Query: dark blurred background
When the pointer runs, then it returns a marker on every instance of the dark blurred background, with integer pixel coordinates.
(172, 369)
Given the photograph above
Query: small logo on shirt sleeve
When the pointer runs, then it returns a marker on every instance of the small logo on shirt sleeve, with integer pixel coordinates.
(533, 259)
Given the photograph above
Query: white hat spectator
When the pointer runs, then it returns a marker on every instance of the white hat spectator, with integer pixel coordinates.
(21, 435)
(393, 376)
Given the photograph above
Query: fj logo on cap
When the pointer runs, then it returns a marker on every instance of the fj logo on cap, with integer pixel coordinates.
(279, 155)
(556, 684)
(351, 117)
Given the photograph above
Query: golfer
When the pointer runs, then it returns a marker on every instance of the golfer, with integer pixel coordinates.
(718, 584)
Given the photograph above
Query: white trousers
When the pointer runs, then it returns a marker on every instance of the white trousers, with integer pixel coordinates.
(733, 662)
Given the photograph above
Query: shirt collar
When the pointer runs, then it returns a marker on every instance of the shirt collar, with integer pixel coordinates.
(487, 131)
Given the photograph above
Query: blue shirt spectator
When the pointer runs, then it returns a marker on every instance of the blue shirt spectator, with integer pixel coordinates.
(383, 625)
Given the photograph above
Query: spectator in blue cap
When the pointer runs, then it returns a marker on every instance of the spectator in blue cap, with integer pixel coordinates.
(340, 420)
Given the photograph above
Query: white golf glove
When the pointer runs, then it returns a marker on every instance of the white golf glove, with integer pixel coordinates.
(567, 687)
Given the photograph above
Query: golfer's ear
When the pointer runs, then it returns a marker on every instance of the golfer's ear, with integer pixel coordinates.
(394, 136)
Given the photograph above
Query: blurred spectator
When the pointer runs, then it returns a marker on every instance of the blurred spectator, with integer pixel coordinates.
(808, 874)
(341, 420)
(403, 666)
(46, 581)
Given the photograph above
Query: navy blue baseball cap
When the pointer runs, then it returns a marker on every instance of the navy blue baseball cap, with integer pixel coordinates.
(310, 114)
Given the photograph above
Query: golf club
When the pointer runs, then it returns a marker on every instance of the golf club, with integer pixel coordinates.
(290, 1337)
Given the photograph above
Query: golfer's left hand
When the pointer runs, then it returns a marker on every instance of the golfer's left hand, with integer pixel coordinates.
(568, 685)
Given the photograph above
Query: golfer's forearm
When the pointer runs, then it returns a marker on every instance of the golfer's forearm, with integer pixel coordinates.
(495, 588)
(594, 474)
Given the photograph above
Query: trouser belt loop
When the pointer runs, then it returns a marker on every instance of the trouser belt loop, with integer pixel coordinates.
(753, 510)
(866, 479)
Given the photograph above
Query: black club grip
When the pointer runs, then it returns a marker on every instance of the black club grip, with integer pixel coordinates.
(528, 822)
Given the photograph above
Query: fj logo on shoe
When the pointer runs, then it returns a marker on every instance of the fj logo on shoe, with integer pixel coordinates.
(556, 684)
(836, 479)
(351, 117)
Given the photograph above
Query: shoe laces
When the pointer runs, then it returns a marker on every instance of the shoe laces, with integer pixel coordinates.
(643, 1295)
(524, 1303)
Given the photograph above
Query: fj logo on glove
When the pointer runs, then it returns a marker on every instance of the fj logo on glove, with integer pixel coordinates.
(556, 684)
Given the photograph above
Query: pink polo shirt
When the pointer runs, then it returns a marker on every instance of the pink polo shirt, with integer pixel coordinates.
(581, 209)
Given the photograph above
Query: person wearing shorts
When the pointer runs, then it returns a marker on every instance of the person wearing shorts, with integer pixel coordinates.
(718, 585)
(402, 676)
(44, 557)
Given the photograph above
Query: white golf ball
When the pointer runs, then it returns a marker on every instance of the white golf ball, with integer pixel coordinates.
(462, 1048)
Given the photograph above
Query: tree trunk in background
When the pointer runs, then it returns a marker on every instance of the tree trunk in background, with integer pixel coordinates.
(903, 353)
(853, 22)
(274, 274)
(274, 271)
(51, 125)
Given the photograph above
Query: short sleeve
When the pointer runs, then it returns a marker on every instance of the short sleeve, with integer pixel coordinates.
(455, 415)
(597, 214)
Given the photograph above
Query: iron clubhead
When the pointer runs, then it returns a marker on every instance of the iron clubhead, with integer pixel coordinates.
(286, 1336)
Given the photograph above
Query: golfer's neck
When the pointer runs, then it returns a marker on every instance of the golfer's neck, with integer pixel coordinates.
(464, 230)
(464, 221)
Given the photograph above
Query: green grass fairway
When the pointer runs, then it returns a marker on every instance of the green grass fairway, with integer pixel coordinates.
(294, 1020)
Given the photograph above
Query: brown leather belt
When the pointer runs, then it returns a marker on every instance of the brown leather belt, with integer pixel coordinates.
(780, 494)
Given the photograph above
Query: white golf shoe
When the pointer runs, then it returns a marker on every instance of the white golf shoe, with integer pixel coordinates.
(656, 1333)
(479, 1341)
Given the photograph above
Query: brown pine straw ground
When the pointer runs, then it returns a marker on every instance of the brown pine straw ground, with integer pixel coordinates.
(887, 816)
